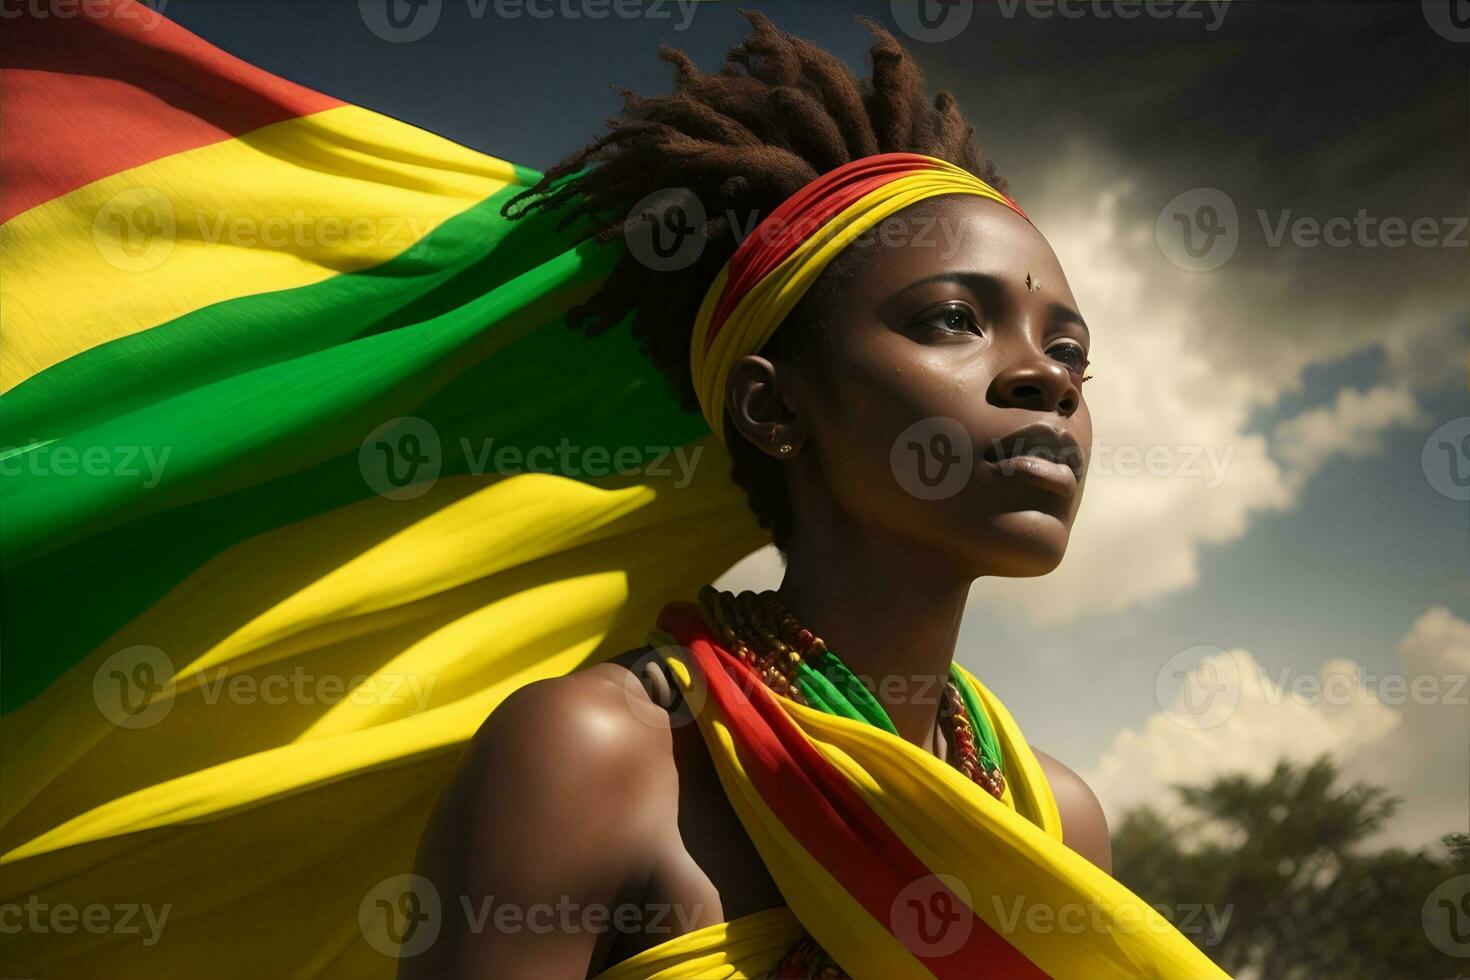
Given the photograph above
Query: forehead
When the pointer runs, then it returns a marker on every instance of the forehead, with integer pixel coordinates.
(955, 232)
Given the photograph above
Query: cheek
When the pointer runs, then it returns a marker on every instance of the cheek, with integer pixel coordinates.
(868, 401)
(874, 394)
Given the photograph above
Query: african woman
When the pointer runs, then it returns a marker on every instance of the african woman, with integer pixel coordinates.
(794, 783)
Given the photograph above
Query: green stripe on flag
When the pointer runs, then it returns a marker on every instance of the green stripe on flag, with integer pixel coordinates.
(262, 404)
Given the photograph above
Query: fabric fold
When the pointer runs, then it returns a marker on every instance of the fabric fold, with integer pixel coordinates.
(897, 864)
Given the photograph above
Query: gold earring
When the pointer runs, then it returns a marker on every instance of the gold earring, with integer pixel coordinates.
(786, 449)
(783, 448)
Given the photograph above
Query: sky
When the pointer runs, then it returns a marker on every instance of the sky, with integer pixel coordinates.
(1296, 551)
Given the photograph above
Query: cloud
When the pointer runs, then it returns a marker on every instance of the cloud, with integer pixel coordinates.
(1351, 426)
(1408, 731)
(1417, 352)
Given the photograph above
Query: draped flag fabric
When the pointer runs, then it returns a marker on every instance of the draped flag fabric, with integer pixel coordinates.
(894, 861)
(304, 472)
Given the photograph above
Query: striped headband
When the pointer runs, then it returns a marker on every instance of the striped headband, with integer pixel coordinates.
(784, 254)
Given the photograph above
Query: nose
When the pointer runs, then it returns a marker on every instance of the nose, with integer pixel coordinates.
(1037, 383)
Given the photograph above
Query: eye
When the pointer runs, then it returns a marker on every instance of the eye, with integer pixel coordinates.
(1072, 355)
(951, 318)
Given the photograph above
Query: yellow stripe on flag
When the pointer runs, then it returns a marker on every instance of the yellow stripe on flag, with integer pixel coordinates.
(438, 607)
(338, 191)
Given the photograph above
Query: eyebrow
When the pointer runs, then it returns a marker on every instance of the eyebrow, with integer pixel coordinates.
(983, 283)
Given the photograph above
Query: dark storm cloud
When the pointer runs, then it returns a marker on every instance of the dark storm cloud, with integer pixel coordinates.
(1315, 111)
(1303, 113)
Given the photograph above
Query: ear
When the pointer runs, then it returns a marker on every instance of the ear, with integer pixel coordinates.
(755, 407)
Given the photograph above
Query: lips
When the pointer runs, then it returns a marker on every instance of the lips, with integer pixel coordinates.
(1041, 455)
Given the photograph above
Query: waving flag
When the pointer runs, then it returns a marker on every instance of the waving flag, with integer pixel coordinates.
(304, 472)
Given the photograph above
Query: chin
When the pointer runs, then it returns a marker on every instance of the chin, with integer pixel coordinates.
(1020, 544)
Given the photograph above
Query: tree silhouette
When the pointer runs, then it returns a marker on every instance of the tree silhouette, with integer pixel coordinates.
(1271, 879)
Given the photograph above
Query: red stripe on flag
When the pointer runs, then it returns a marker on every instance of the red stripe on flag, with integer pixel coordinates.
(824, 813)
(115, 86)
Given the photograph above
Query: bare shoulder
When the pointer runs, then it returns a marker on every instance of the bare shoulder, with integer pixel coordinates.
(561, 796)
(596, 734)
(1084, 826)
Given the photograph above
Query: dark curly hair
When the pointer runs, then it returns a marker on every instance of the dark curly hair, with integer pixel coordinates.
(778, 114)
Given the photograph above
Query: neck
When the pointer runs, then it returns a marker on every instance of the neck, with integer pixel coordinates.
(887, 609)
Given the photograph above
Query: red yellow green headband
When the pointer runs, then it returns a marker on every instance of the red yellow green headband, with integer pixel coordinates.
(783, 255)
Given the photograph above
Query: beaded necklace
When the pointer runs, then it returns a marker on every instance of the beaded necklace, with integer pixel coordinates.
(795, 663)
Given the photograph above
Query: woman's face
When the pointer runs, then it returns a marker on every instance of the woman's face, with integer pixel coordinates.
(944, 406)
